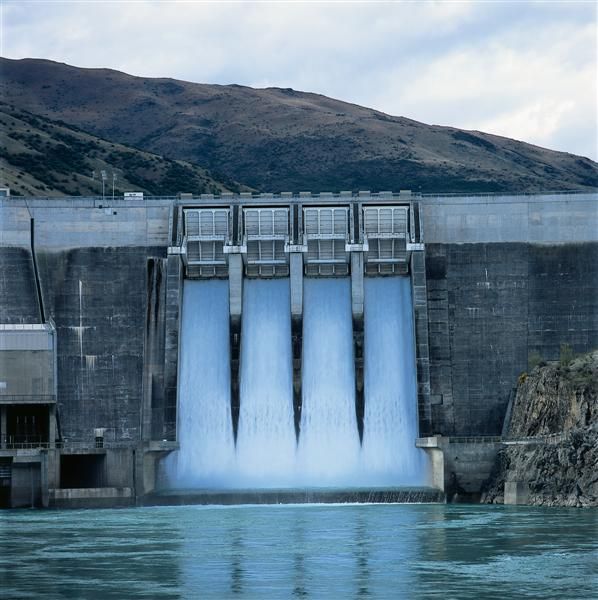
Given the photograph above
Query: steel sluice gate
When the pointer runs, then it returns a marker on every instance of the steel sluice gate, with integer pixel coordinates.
(325, 236)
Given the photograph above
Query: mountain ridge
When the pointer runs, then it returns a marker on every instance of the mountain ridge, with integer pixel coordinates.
(276, 139)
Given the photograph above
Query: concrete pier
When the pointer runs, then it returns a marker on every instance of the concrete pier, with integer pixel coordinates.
(460, 466)
(166, 430)
(296, 283)
(357, 307)
(235, 287)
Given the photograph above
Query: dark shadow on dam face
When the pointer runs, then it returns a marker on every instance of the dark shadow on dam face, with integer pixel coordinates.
(82, 470)
(27, 425)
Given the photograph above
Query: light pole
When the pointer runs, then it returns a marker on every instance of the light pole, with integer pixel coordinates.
(113, 182)
(103, 185)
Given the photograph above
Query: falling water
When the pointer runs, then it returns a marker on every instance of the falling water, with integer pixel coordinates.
(329, 439)
(266, 436)
(390, 420)
(205, 434)
(329, 452)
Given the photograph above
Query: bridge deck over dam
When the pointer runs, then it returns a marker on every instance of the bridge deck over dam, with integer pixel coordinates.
(495, 279)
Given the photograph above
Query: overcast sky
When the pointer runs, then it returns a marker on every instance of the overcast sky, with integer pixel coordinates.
(526, 70)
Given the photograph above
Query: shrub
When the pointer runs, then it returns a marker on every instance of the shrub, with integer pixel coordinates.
(566, 355)
(534, 360)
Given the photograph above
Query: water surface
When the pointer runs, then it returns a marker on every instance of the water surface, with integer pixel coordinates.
(311, 551)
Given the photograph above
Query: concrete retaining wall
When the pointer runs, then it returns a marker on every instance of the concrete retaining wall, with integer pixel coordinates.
(467, 466)
(18, 297)
(105, 497)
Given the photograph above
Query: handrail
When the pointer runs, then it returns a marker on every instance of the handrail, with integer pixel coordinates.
(28, 398)
(319, 196)
(475, 439)
(79, 445)
(551, 438)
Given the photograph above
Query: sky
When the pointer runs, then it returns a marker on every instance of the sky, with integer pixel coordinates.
(526, 70)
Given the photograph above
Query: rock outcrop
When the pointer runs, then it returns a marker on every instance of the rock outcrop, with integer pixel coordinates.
(552, 443)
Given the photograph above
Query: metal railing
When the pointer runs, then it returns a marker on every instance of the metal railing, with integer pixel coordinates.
(41, 442)
(475, 439)
(27, 399)
(294, 197)
(553, 438)
(84, 445)
(169, 432)
(26, 441)
(94, 444)
(507, 193)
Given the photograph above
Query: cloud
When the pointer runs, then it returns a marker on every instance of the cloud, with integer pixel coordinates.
(521, 69)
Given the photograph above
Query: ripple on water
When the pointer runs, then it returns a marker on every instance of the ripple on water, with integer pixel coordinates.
(323, 551)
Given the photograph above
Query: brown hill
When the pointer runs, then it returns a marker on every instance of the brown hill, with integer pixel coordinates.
(280, 139)
(41, 157)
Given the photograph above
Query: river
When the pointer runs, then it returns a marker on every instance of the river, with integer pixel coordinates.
(310, 551)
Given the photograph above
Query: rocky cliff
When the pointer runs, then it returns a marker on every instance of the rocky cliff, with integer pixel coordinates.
(554, 436)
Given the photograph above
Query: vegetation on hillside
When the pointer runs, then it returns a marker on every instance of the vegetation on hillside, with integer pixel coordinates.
(280, 139)
(42, 157)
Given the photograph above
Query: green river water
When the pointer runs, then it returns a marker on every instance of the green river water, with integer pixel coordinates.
(300, 551)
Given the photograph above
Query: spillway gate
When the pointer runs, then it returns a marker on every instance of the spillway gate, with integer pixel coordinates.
(297, 236)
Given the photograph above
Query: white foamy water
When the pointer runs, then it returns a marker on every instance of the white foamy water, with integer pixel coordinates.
(266, 436)
(329, 452)
(205, 433)
(390, 420)
(329, 440)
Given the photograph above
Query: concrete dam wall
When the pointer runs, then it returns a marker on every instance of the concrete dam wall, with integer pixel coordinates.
(507, 278)
(494, 279)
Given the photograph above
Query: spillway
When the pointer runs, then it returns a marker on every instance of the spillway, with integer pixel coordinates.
(266, 434)
(207, 452)
(329, 440)
(328, 452)
(390, 421)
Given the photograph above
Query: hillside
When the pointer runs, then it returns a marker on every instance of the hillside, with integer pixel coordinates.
(41, 157)
(280, 139)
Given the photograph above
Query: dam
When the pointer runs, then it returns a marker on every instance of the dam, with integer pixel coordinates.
(277, 341)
